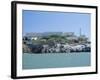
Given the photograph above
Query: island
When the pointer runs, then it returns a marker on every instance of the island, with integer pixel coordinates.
(55, 42)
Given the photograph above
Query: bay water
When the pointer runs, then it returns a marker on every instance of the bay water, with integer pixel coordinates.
(55, 60)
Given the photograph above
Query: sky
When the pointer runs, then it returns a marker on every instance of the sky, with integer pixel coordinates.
(47, 21)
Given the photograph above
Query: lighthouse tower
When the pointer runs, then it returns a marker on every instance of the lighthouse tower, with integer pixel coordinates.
(80, 32)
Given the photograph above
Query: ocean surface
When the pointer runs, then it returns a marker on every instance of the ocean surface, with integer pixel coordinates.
(55, 60)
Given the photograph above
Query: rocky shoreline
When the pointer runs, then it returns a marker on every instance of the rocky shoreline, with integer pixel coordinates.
(37, 48)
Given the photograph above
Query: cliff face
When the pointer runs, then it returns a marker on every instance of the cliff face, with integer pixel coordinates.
(26, 49)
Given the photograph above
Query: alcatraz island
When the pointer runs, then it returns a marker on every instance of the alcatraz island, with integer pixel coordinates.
(55, 42)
